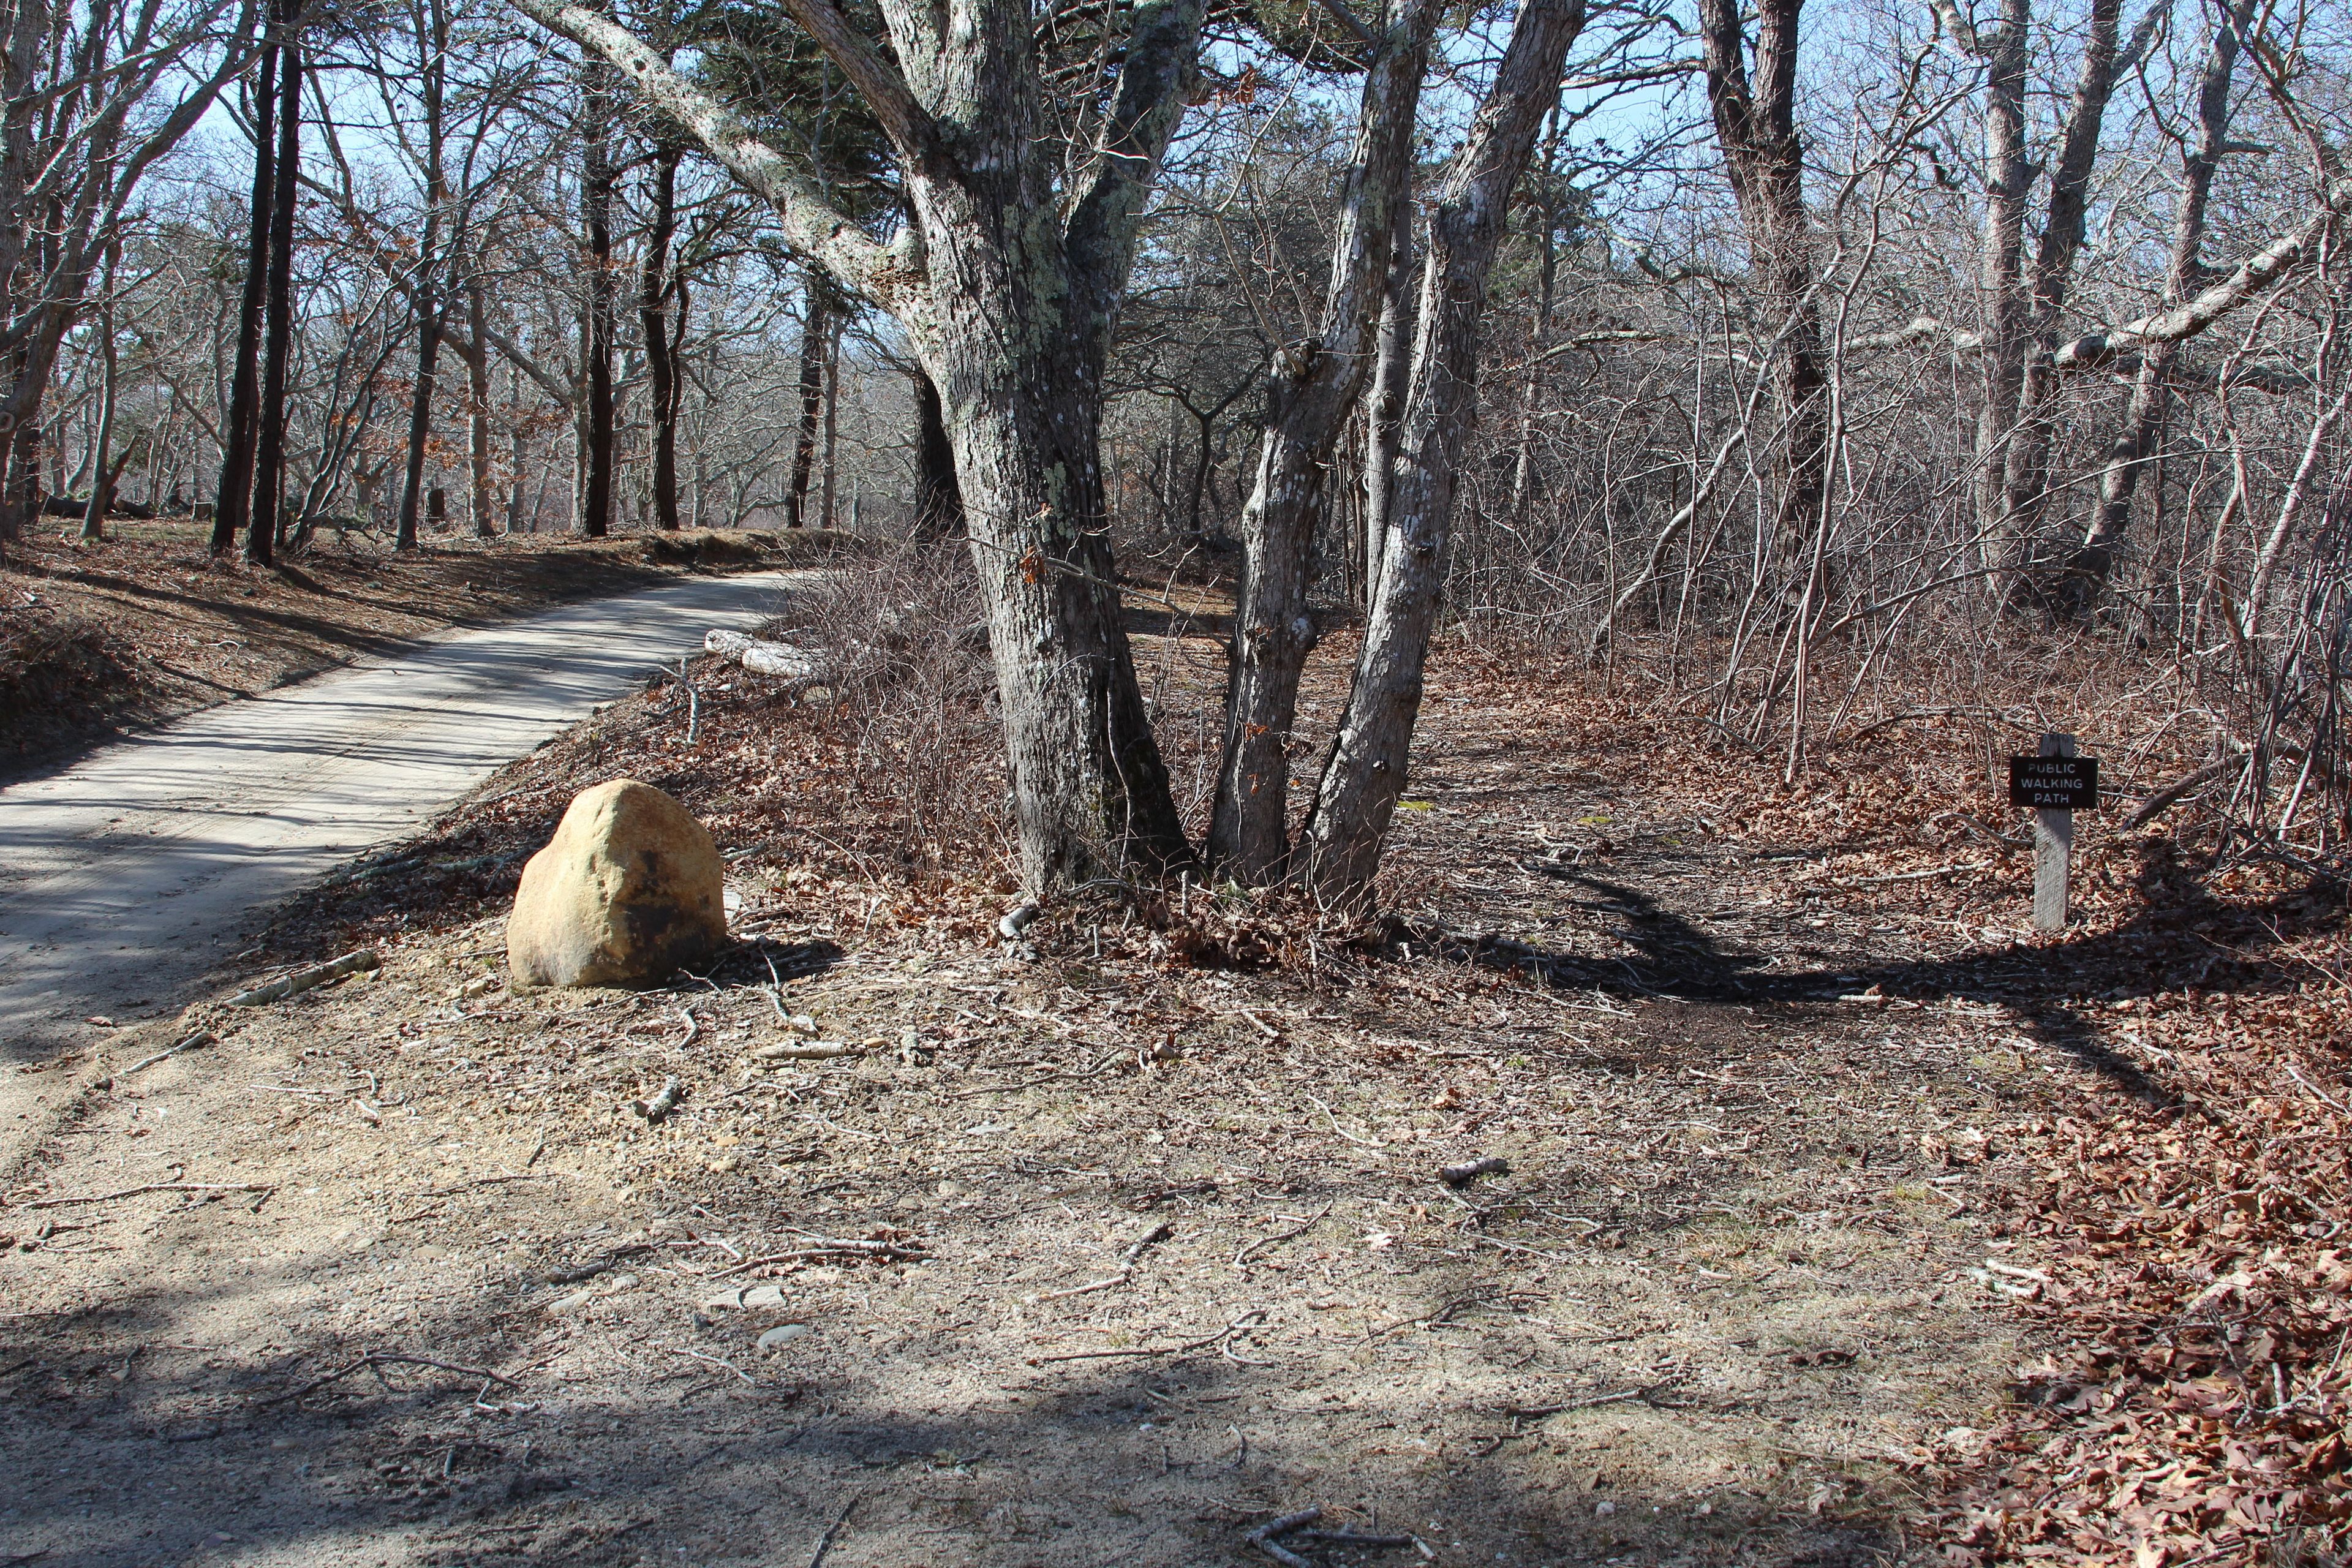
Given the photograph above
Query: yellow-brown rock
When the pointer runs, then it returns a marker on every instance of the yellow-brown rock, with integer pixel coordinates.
(629, 891)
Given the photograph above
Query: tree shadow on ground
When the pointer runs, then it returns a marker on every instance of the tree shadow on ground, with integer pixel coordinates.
(2181, 937)
(124, 1447)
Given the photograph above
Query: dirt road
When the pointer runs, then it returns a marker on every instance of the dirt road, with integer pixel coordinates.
(127, 875)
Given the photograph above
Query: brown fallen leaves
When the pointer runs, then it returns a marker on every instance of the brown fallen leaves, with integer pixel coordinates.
(2195, 1409)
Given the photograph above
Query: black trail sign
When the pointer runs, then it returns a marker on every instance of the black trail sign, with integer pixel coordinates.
(2054, 783)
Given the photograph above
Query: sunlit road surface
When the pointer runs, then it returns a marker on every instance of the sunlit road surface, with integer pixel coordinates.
(125, 876)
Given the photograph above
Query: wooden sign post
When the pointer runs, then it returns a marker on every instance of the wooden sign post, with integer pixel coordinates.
(2054, 783)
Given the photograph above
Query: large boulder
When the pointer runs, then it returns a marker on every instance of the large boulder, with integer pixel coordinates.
(629, 891)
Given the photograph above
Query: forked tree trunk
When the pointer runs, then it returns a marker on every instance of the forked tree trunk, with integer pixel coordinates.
(1365, 776)
(2001, 263)
(1308, 398)
(2082, 576)
(2026, 475)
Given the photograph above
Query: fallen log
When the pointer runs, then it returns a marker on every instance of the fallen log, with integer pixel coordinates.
(763, 658)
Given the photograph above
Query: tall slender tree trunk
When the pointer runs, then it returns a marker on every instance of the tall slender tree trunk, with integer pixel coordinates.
(1384, 412)
(1523, 463)
(429, 328)
(1755, 125)
(817, 326)
(269, 446)
(1365, 775)
(481, 497)
(2000, 266)
(829, 486)
(654, 307)
(101, 489)
(2084, 574)
(1308, 398)
(233, 496)
(596, 215)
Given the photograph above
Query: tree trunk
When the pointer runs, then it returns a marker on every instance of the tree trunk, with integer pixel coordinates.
(1366, 774)
(1308, 397)
(269, 446)
(596, 215)
(938, 510)
(1754, 122)
(829, 486)
(480, 495)
(2026, 475)
(1384, 413)
(2082, 576)
(2001, 268)
(815, 326)
(233, 496)
(1009, 279)
(653, 318)
(518, 456)
(93, 521)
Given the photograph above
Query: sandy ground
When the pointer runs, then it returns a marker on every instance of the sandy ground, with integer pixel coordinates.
(125, 876)
(1108, 1247)
(1733, 1299)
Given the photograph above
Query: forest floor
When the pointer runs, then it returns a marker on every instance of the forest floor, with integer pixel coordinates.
(1827, 1184)
(146, 625)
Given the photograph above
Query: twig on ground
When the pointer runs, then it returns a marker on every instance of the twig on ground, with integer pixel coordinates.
(661, 1104)
(1049, 1077)
(825, 1541)
(1157, 1232)
(828, 1246)
(1469, 1171)
(154, 1187)
(1334, 1120)
(1538, 1412)
(1241, 1259)
(714, 1360)
(303, 980)
(196, 1041)
(1262, 1537)
(1246, 1320)
(376, 1359)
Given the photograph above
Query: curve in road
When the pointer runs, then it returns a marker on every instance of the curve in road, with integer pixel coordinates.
(128, 874)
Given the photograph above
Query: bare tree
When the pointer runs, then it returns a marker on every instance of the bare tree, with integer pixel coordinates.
(1365, 775)
(1309, 399)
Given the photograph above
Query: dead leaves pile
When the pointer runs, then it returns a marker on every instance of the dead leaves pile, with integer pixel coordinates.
(2203, 1292)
